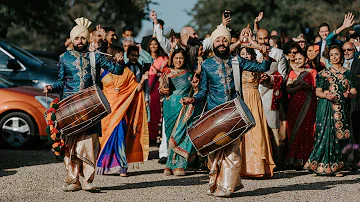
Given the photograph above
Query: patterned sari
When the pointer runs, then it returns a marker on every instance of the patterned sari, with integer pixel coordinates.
(177, 117)
(332, 123)
(301, 119)
(125, 135)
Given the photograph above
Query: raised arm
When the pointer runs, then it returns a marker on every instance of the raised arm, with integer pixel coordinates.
(348, 22)
(158, 32)
(256, 22)
(109, 65)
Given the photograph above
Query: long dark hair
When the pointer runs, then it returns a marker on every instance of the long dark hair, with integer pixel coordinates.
(160, 51)
(183, 52)
(192, 50)
(316, 61)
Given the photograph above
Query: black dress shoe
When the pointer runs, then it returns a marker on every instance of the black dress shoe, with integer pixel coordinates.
(162, 160)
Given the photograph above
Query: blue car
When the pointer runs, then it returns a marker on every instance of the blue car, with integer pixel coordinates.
(23, 68)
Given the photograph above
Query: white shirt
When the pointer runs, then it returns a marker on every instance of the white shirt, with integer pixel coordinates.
(347, 63)
(323, 45)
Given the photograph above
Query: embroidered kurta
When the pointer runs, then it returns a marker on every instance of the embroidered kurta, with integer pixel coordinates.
(74, 75)
(217, 80)
(217, 87)
(75, 71)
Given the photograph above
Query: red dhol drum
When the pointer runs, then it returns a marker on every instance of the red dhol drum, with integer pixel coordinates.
(81, 111)
(220, 126)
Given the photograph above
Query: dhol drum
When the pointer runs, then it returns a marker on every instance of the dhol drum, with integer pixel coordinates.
(81, 111)
(221, 126)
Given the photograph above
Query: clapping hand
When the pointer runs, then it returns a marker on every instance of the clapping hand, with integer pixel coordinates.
(264, 78)
(119, 57)
(101, 31)
(93, 46)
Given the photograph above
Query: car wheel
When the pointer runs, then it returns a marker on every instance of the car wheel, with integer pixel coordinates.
(17, 129)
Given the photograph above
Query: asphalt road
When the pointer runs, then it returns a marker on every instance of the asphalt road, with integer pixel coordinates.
(35, 175)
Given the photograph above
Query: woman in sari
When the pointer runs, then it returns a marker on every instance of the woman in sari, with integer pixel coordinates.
(125, 135)
(157, 53)
(176, 84)
(334, 88)
(255, 147)
(301, 112)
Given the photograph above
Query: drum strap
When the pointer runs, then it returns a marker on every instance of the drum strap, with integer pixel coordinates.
(237, 75)
(93, 66)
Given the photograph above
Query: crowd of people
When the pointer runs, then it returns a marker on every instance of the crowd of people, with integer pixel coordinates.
(301, 93)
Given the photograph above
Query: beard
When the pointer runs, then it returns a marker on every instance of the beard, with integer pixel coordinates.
(222, 54)
(81, 49)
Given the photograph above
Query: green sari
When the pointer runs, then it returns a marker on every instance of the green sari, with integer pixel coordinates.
(177, 117)
(332, 124)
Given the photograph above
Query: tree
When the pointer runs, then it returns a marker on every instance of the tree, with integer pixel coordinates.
(286, 16)
(44, 24)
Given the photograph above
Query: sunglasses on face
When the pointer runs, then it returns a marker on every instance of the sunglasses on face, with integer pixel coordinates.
(293, 52)
(348, 49)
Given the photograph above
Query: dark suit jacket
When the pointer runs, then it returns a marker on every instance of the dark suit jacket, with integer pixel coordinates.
(146, 42)
(355, 70)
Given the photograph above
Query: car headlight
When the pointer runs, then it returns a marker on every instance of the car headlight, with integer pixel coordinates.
(44, 101)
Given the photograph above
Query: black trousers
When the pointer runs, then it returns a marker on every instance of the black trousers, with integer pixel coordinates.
(355, 122)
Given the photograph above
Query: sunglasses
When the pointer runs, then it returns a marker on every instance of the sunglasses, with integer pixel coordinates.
(349, 49)
(293, 52)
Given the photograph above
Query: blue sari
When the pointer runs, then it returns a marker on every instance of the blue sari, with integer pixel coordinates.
(177, 117)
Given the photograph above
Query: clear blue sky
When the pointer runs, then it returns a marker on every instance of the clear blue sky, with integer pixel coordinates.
(173, 12)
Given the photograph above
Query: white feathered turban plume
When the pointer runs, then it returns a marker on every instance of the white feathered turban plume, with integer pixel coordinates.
(80, 29)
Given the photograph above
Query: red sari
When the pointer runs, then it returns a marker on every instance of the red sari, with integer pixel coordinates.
(155, 105)
(301, 119)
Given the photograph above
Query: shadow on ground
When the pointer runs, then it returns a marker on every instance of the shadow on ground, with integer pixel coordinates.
(16, 158)
(296, 187)
(162, 183)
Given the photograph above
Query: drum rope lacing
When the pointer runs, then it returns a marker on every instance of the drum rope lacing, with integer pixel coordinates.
(85, 126)
(218, 123)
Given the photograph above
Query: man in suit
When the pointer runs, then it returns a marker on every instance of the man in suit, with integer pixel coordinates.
(271, 91)
(146, 39)
(353, 64)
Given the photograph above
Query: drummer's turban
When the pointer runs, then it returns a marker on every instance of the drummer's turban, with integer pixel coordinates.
(220, 31)
(80, 29)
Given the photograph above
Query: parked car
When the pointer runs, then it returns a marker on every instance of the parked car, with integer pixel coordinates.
(22, 114)
(23, 68)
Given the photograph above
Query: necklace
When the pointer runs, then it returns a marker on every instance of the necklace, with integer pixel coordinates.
(116, 88)
(334, 69)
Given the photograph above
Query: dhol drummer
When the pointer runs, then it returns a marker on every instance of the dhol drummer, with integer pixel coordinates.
(74, 75)
(217, 86)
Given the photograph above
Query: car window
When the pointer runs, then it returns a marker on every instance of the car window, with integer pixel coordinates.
(3, 60)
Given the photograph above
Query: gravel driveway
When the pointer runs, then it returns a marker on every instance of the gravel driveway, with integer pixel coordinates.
(35, 175)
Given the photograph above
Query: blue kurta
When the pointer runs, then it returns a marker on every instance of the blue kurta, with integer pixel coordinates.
(75, 71)
(217, 80)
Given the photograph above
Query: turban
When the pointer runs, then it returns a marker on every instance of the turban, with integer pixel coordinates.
(220, 31)
(80, 29)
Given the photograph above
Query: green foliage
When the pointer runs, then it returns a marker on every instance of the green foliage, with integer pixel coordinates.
(44, 24)
(285, 15)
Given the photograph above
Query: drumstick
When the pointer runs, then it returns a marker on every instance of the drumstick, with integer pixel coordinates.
(106, 54)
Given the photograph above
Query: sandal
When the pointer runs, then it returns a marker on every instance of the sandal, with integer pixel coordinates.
(71, 187)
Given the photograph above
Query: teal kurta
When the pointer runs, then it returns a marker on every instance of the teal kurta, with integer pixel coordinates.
(177, 117)
(332, 124)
